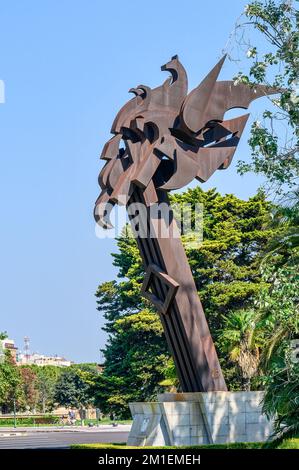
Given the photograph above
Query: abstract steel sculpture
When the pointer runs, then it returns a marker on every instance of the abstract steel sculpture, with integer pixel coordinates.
(170, 138)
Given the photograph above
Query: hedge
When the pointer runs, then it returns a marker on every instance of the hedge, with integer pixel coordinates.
(286, 444)
(30, 420)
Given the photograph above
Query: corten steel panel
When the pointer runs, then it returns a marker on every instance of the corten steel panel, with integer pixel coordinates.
(184, 323)
(171, 137)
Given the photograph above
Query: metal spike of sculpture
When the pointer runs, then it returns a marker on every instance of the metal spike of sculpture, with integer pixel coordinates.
(170, 138)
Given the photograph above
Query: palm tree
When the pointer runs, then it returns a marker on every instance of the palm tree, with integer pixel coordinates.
(241, 339)
(171, 381)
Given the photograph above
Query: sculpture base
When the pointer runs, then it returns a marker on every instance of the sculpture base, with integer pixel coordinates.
(179, 419)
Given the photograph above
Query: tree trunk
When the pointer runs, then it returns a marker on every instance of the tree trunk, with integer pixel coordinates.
(246, 384)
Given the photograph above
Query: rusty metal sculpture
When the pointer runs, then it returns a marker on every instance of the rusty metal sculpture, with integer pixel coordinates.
(170, 138)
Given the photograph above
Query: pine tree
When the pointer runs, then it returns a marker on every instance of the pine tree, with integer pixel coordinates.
(225, 266)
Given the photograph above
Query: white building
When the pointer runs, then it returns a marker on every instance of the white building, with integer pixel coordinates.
(42, 360)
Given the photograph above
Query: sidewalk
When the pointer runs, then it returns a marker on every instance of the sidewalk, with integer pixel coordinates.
(11, 431)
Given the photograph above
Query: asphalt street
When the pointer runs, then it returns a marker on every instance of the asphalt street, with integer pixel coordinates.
(61, 439)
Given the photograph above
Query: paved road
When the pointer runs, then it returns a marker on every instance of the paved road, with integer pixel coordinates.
(101, 427)
(42, 440)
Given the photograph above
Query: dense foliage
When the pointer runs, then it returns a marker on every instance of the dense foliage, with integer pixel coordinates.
(10, 383)
(278, 312)
(73, 387)
(274, 144)
(225, 266)
(274, 137)
(136, 358)
(41, 389)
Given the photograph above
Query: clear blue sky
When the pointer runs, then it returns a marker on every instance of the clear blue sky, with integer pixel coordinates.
(67, 66)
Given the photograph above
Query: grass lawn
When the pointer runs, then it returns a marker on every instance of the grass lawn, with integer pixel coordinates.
(30, 422)
(286, 444)
(290, 444)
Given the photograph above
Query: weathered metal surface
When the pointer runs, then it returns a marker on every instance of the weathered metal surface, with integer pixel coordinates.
(171, 137)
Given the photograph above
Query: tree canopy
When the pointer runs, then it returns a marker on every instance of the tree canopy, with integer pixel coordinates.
(274, 136)
(225, 266)
(274, 145)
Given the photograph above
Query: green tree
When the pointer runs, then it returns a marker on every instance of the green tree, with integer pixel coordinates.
(274, 144)
(29, 386)
(119, 299)
(136, 358)
(73, 389)
(279, 316)
(47, 377)
(170, 381)
(274, 137)
(225, 266)
(10, 384)
(281, 401)
(279, 313)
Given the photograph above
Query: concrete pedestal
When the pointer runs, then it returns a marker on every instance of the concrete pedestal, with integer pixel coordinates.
(199, 418)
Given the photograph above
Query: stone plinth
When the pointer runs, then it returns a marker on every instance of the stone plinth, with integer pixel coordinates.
(199, 418)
